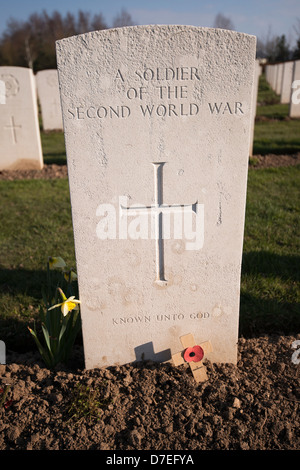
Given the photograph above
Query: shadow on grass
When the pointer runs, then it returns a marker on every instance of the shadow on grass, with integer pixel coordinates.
(20, 290)
(268, 149)
(20, 300)
(266, 316)
(55, 158)
(24, 281)
(262, 313)
(270, 264)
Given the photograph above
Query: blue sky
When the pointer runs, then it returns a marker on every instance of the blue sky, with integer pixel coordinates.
(249, 16)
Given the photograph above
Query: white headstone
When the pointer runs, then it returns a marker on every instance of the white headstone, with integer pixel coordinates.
(286, 86)
(279, 78)
(254, 104)
(2, 352)
(274, 76)
(48, 93)
(2, 92)
(19, 127)
(295, 95)
(157, 126)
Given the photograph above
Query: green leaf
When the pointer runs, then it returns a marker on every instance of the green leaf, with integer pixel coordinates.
(42, 351)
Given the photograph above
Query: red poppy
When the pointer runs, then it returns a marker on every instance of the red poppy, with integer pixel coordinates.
(194, 354)
(8, 404)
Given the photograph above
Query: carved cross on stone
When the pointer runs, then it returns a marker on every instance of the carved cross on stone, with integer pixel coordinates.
(158, 209)
(193, 354)
(13, 128)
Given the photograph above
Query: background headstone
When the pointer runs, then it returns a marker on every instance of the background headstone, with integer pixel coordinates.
(254, 103)
(286, 86)
(294, 110)
(157, 116)
(274, 76)
(279, 78)
(2, 352)
(48, 94)
(2, 92)
(19, 127)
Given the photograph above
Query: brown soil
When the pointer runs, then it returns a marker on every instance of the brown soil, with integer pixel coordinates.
(60, 171)
(253, 405)
(48, 172)
(273, 160)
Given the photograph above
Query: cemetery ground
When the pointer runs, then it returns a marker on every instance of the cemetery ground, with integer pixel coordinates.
(253, 405)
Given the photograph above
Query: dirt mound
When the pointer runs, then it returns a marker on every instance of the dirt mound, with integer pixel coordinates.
(273, 160)
(48, 172)
(253, 405)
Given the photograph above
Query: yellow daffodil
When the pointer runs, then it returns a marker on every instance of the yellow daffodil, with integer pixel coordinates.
(69, 275)
(56, 262)
(67, 305)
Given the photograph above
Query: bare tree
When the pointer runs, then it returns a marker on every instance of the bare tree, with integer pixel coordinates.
(296, 27)
(266, 45)
(123, 19)
(223, 22)
(98, 22)
(31, 43)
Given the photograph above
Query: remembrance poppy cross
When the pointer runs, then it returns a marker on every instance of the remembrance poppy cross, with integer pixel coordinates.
(193, 354)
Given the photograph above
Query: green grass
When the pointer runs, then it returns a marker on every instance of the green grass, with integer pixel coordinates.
(274, 131)
(270, 290)
(276, 137)
(53, 144)
(265, 95)
(35, 222)
(276, 111)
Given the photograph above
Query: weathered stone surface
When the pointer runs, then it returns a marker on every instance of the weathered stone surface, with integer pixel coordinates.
(157, 116)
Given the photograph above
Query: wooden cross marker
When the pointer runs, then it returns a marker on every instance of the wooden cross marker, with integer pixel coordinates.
(198, 351)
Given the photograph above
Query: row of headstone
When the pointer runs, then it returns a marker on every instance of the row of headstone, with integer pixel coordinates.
(157, 123)
(20, 137)
(48, 95)
(281, 78)
(257, 74)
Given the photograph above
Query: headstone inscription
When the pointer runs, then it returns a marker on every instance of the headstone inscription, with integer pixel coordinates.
(48, 94)
(157, 126)
(19, 128)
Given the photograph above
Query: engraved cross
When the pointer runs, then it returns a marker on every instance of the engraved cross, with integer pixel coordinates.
(158, 209)
(13, 128)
